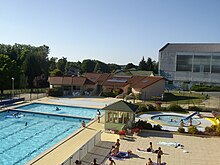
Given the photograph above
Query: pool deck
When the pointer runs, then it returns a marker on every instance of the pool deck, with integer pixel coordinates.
(202, 150)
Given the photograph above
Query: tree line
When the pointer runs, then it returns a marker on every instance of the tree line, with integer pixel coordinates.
(30, 66)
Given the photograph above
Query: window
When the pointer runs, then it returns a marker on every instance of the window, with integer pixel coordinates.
(184, 63)
(201, 63)
(215, 64)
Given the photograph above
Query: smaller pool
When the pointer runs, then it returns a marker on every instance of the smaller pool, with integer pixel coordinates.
(173, 120)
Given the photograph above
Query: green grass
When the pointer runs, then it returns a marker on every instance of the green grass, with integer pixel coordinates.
(183, 98)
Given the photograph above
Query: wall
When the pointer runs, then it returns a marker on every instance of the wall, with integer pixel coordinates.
(156, 89)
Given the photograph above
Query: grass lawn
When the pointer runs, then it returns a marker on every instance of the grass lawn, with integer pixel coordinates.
(183, 98)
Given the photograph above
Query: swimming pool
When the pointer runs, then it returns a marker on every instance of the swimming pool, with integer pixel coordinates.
(24, 137)
(64, 110)
(173, 120)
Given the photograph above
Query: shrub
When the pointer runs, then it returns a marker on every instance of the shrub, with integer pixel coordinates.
(143, 124)
(194, 108)
(193, 130)
(136, 130)
(208, 130)
(181, 130)
(218, 130)
(55, 92)
(122, 132)
(147, 126)
(150, 107)
(204, 88)
(175, 108)
(143, 108)
(157, 127)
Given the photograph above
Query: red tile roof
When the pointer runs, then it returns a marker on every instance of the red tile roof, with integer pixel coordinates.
(67, 80)
(93, 76)
(145, 82)
(79, 81)
(55, 80)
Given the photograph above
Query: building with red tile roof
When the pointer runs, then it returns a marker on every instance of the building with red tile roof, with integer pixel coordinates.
(144, 87)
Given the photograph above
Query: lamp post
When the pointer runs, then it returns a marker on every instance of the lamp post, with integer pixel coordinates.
(12, 87)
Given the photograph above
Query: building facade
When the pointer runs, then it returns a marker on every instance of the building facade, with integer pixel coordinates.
(183, 65)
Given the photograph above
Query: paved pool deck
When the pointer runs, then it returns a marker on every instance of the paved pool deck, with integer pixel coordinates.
(202, 150)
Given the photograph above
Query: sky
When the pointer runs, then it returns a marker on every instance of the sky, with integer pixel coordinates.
(112, 31)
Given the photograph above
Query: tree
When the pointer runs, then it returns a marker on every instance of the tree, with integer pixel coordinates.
(61, 64)
(113, 67)
(31, 68)
(52, 63)
(129, 66)
(155, 67)
(8, 69)
(149, 64)
(101, 67)
(88, 66)
(142, 65)
(56, 72)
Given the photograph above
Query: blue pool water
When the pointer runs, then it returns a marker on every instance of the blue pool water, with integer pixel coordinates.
(49, 108)
(166, 120)
(20, 142)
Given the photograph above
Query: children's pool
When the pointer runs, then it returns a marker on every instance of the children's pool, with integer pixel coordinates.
(27, 135)
(173, 120)
(60, 109)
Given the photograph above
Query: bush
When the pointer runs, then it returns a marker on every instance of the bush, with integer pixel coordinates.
(194, 108)
(175, 108)
(157, 127)
(122, 132)
(193, 130)
(204, 88)
(143, 124)
(150, 107)
(218, 130)
(181, 130)
(208, 130)
(143, 108)
(55, 92)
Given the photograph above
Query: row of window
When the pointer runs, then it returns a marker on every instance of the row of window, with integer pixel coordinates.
(198, 63)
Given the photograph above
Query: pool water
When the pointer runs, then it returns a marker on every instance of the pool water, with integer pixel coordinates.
(68, 110)
(173, 120)
(26, 136)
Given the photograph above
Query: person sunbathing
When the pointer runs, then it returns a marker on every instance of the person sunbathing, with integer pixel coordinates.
(150, 149)
(121, 154)
(114, 151)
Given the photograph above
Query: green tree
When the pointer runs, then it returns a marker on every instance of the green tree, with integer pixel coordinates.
(129, 66)
(52, 63)
(8, 69)
(101, 67)
(88, 66)
(56, 72)
(142, 65)
(61, 64)
(149, 64)
(113, 67)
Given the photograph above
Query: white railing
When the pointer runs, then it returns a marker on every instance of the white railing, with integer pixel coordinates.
(83, 150)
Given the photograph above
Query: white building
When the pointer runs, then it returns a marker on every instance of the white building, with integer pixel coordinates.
(197, 63)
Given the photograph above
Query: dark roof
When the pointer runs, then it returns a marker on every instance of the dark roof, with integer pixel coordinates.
(191, 47)
(122, 106)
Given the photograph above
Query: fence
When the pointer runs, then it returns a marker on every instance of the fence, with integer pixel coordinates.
(80, 153)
